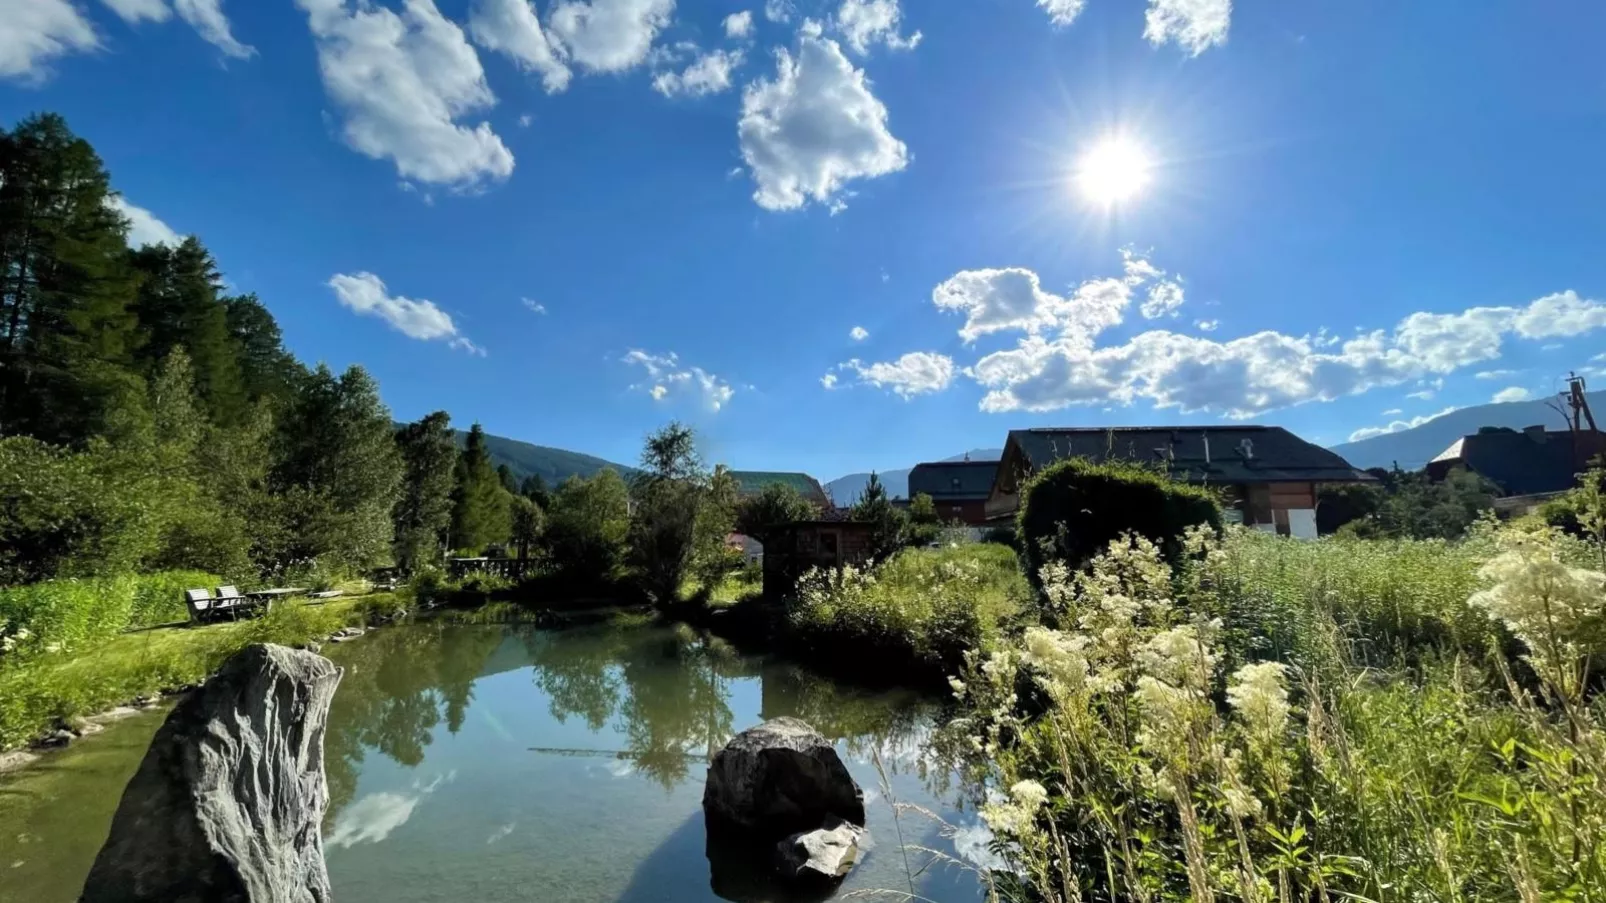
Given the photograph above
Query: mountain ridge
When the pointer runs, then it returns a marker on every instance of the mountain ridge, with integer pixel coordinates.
(1413, 448)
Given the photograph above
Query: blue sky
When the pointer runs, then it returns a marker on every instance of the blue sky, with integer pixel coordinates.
(574, 219)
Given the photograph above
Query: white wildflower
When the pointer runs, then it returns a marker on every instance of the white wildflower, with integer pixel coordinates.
(1181, 655)
(1258, 695)
(1058, 658)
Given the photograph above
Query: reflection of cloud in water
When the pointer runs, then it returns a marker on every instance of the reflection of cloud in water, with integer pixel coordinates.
(900, 753)
(501, 832)
(372, 818)
(971, 843)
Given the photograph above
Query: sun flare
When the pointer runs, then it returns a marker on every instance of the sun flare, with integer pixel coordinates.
(1113, 170)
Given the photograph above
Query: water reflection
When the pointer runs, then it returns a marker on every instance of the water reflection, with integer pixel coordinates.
(568, 764)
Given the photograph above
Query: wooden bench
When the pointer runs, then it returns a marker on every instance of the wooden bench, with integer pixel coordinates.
(229, 602)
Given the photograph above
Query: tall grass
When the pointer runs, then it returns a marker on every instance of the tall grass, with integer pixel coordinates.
(68, 614)
(1280, 720)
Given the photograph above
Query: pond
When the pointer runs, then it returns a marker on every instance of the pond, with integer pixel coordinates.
(513, 763)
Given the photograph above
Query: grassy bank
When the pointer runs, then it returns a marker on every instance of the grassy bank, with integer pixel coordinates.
(37, 694)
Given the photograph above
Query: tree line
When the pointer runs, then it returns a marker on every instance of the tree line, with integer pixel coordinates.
(152, 419)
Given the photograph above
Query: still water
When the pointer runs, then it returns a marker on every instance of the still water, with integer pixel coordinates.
(513, 764)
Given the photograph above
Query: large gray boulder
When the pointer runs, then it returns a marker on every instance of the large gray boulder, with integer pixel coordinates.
(779, 778)
(228, 803)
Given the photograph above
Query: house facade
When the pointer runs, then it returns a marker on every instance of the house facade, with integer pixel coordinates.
(958, 488)
(1268, 476)
(1530, 462)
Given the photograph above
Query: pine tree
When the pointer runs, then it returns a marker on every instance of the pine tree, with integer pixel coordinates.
(65, 288)
(535, 489)
(424, 511)
(179, 304)
(504, 475)
(480, 515)
(267, 370)
(888, 523)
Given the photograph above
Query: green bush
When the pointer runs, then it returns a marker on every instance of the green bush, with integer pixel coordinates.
(922, 607)
(1071, 511)
(60, 615)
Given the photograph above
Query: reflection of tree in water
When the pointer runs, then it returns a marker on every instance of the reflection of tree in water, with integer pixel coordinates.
(399, 684)
(662, 688)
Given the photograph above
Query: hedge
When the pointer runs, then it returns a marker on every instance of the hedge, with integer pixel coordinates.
(1071, 510)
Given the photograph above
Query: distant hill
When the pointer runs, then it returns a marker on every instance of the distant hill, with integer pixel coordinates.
(1415, 447)
(846, 490)
(553, 464)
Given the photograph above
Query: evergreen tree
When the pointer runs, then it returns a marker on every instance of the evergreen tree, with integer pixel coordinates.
(267, 370)
(424, 511)
(888, 523)
(480, 515)
(340, 471)
(179, 304)
(504, 475)
(65, 287)
(535, 489)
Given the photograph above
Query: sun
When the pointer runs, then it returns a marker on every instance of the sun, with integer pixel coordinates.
(1113, 170)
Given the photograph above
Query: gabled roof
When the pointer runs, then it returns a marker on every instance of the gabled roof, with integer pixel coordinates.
(953, 480)
(1198, 454)
(752, 482)
(1523, 463)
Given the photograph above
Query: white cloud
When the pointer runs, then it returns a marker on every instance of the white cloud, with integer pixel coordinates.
(206, 17)
(526, 120)
(828, 380)
(365, 293)
(814, 127)
(1496, 374)
(37, 31)
(1511, 393)
(143, 226)
(1563, 314)
(913, 374)
(1392, 411)
(533, 306)
(1194, 25)
(1207, 325)
(865, 23)
(609, 35)
(132, 11)
(858, 333)
(1397, 425)
(666, 376)
(1165, 300)
(1423, 395)
(1058, 362)
(1062, 12)
(510, 27)
(739, 25)
(402, 80)
(779, 10)
(707, 74)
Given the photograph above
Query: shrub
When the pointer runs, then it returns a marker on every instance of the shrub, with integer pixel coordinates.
(1071, 511)
(922, 607)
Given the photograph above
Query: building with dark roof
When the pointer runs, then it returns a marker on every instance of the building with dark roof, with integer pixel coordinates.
(1270, 476)
(752, 482)
(958, 488)
(1534, 461)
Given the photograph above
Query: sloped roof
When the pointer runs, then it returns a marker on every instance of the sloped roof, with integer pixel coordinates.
(1523, 463)
(752, 482)
(953, 480)
(1199, 454)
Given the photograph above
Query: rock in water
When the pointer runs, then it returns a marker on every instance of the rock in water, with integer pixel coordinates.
(228, 804)
(823, 855)
(779, 778)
